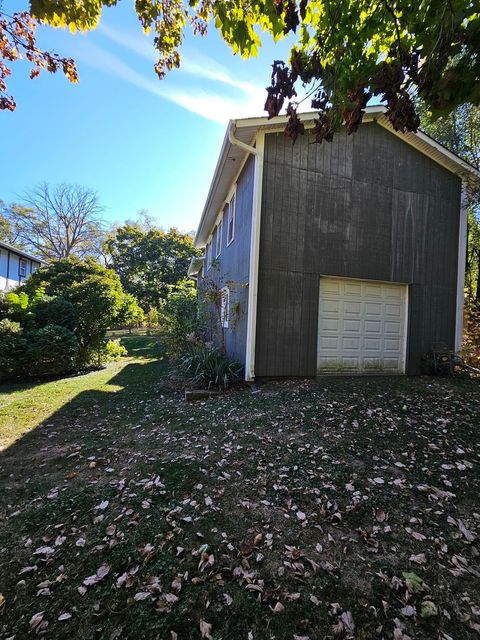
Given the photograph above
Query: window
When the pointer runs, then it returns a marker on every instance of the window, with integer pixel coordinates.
(209, 251)
(225, 307)
(219, 238)
(231, 220)
(22, 268)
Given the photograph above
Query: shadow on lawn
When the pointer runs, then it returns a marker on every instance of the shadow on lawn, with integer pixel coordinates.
(92, 425)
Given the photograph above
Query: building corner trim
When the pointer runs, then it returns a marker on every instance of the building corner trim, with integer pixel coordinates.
(254, 258)
(462, 251)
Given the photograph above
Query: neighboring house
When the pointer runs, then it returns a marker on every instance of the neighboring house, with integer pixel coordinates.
(342, 257)
(15, 266)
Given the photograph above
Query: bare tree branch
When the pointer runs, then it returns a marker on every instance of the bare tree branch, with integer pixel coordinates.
(59, 222)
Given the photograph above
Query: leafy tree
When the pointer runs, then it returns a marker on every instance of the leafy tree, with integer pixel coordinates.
(18, 41)
(148, 261)
(57, 222)
(130, 313)
(94, 291)
(460, 132)
(345, 51)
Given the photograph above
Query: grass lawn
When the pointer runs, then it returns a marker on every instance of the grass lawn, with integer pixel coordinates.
(336, 508)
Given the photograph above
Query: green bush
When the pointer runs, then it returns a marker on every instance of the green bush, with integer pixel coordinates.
(57, 311)
(94, 291)
(471, 335)
(12, 348)
(179, 315)
(51, 351)
(204, 365)
(110, 351)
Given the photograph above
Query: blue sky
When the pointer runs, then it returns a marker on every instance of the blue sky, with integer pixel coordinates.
(139, 142)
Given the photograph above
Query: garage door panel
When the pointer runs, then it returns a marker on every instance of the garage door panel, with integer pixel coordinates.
(349, 344)
(392, 344)
(329, 324)
(373, 326)
(352, 289)
(397, 292)
(327, 342)
(394, 310)
(350, 363)
(352, 308)
(372, 291)
(332, 287)
(373, 309)
(332, 307)
(362, 326)
(392, 327)
(372, 344)
(351, 325)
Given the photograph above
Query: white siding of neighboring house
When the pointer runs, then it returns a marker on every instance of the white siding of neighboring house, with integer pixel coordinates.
(9, 269)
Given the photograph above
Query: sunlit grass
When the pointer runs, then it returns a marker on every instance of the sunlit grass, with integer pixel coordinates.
(24, 406)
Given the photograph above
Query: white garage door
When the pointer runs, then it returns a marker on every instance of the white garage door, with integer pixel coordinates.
(361, 326)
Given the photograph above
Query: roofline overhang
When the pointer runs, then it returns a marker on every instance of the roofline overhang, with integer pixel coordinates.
(20, 252)
(196, 263)
(420, 140)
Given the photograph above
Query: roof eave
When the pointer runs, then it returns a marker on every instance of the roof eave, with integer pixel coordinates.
(420, 140)
(20, 252)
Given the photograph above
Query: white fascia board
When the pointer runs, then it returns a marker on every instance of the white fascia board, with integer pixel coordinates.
(254, 258)
(462, 252)
(216, 176)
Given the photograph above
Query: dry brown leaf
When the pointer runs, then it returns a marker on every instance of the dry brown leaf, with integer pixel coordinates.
(205, 629)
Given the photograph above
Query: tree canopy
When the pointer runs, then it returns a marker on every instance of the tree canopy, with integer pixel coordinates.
(55, 222)
(149, 260)
(345, 52)
(94, 291)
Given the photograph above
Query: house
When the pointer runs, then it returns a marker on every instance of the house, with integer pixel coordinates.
(344, 257)
(15, 266)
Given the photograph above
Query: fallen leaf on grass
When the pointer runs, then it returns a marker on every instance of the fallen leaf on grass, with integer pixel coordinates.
(419, 558)
(37, 621)
(205, 629)
(100, 575)
(64, 616)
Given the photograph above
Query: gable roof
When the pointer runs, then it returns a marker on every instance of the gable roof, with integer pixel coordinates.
(20, 252)
(245, 130)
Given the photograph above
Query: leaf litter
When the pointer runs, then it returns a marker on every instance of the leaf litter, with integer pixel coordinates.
(312, 509)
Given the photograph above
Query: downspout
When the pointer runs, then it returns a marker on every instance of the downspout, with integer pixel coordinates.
(257, 151)
(232, 127)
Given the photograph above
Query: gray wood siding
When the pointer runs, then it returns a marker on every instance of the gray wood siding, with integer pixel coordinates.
(231, 268)
(366, 206)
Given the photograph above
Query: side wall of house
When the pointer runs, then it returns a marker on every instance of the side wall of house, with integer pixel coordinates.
(231, 268)
(10, 269)
(366, 206)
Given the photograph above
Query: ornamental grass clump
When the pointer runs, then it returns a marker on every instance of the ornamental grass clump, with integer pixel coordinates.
(206, 366)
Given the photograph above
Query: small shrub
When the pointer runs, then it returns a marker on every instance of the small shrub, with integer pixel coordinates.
(179, 314)
(204, 365)
(109, 351)
(12, 348)
(51, 351)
